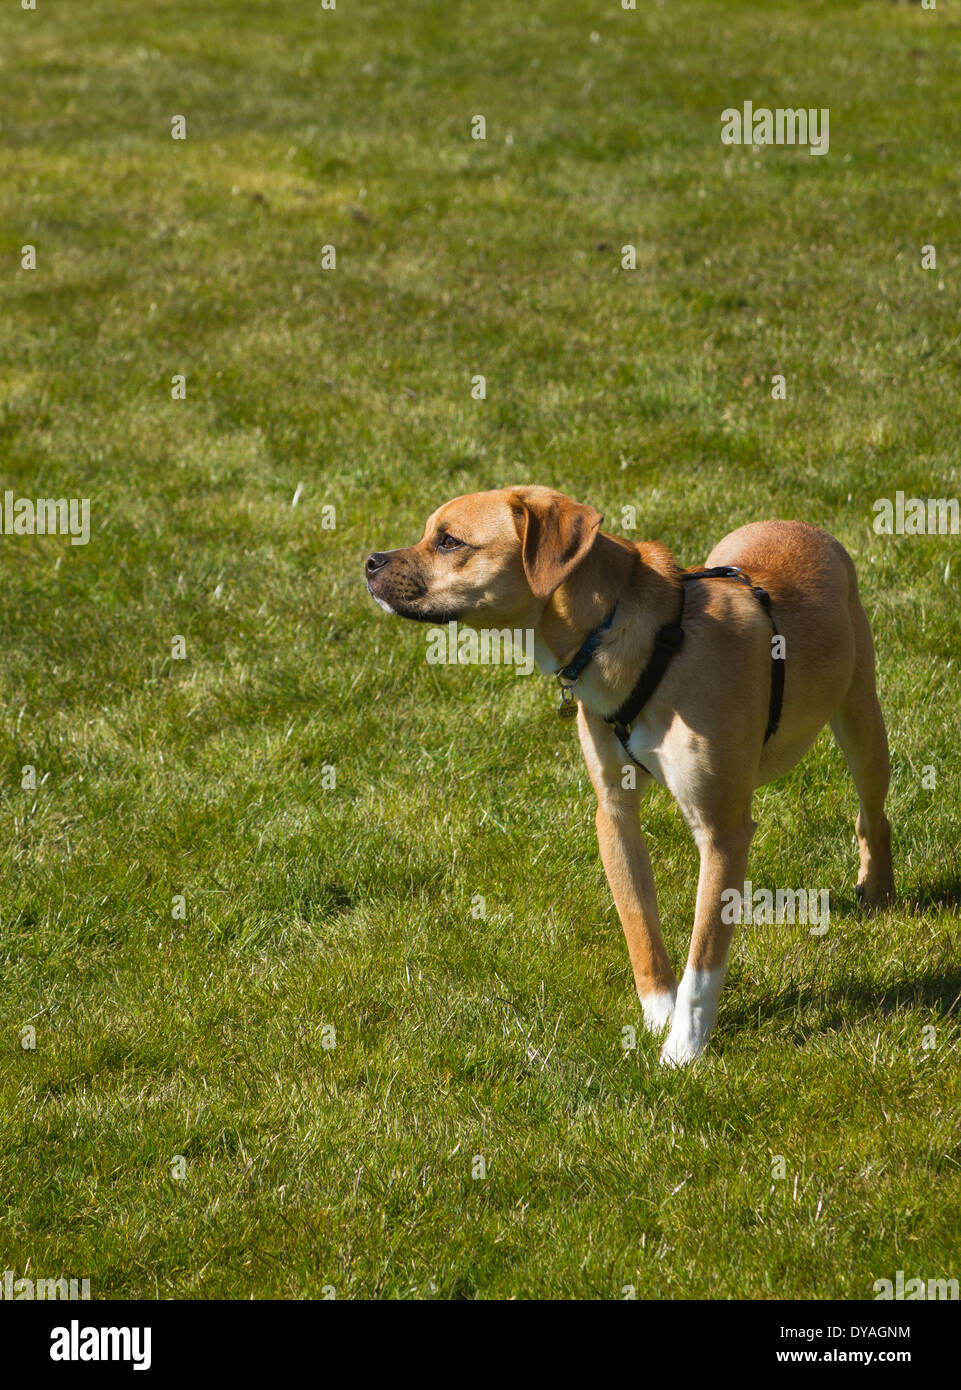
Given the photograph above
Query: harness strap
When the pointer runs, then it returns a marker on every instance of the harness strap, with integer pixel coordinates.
(669, 639)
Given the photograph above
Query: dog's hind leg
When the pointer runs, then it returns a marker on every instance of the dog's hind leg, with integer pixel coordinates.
(858, 726)
(628, 866)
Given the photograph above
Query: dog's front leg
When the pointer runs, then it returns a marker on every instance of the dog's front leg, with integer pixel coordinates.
(628, 866)
(723, 866)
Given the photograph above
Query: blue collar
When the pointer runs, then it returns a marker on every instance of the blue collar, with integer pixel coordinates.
(591, 642)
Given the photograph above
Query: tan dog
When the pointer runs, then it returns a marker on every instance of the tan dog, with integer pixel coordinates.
(529, 557)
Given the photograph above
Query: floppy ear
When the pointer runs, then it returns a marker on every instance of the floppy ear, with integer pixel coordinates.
(555, 534)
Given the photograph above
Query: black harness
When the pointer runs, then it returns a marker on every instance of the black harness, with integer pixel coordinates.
(668, 640)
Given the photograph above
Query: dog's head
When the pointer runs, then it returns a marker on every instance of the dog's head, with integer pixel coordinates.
(487, 557)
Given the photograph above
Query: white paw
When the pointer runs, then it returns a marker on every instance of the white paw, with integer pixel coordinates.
(695, 1014)
(683, 1045)
(658, 1010)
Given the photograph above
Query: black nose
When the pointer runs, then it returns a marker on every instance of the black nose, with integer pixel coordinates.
(376, 562)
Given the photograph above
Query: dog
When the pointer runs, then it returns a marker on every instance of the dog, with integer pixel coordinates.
(726, 675)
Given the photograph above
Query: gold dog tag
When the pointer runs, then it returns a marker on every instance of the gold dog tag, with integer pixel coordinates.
(567, 709)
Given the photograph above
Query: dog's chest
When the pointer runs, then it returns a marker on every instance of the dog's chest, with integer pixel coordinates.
(644, 744)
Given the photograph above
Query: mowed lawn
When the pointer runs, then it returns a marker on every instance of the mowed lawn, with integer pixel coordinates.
(274, 1035)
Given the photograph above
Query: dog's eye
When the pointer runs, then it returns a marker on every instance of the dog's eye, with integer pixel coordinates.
(448, 542)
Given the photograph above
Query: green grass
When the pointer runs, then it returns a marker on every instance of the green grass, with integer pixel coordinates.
(350, 906)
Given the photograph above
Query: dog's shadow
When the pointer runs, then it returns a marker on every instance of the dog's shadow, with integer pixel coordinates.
(944, 891)
(846, 999)
(936, 991)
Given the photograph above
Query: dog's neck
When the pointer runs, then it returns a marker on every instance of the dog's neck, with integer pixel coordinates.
(643, 581)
